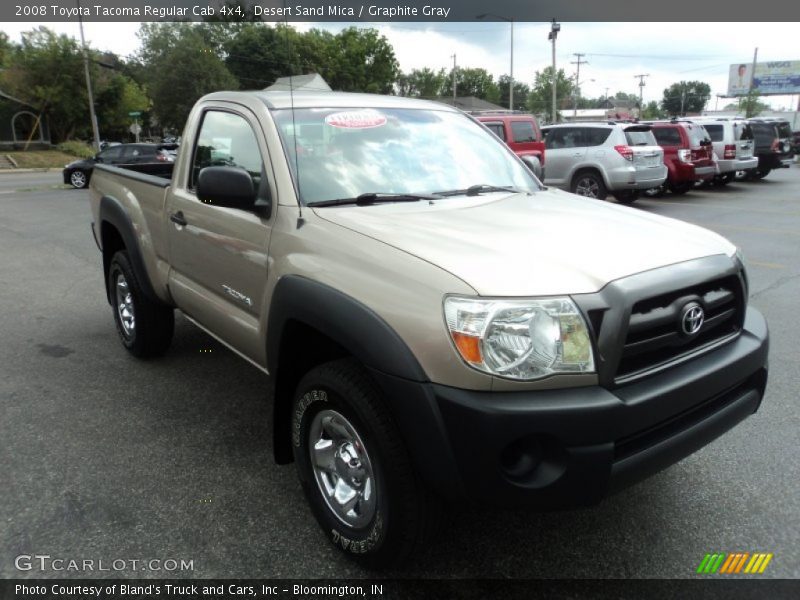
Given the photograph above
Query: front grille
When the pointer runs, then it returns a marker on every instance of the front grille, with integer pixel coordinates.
(655, 338)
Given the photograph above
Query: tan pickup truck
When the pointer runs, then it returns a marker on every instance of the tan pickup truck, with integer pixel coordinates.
(436, 326)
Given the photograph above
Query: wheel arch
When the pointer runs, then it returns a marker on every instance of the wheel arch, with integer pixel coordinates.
(310, 323)
(585, 168)
(117, 233)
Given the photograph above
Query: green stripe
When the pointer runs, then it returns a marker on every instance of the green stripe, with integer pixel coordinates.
(703, 563)
(718, 563)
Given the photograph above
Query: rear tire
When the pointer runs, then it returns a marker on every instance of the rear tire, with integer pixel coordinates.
(681, 188)
(760, 173)
(626, 196)
(589, 184)
(725, 178)
(345, 441)
(144, 327)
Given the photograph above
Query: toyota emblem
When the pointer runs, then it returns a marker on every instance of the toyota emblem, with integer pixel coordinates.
(692, 318)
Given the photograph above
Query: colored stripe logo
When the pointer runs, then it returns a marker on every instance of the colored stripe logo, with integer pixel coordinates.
(734, 563)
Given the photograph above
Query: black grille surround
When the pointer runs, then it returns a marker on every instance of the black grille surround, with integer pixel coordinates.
(636, 321)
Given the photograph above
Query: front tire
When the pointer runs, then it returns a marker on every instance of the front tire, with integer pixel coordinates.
(355, 470)
(79, 179)
(144, 327)
(589, 184)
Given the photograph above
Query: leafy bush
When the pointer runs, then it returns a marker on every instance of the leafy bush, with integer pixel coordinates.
(76, 148)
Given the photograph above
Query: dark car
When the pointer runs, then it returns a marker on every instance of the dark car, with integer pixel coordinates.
(154, 159)
(774, 146)
(688, 154)
(522, 134)
(796, 141)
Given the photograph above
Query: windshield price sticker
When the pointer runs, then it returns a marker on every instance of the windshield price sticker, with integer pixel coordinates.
(356, 119)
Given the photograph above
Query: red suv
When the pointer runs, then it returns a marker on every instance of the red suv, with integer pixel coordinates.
(522, 134)
(688, 154)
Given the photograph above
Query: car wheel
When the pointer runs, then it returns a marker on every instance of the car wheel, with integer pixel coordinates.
(626, 196)
(144, 326)
(355, 470)
(725, 178)
(79, 179)
(589, 184)
(681, 188)
(760, 173)
(655, 192)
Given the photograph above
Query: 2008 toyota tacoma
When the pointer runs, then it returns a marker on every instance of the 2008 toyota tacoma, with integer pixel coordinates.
(436, 325)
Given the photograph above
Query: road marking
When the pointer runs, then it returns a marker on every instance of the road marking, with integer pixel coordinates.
(767, 265)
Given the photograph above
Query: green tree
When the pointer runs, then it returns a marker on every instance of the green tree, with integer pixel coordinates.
(422, 83)
(750, 105)
(686, 97)
(473, 82)
(541, 94)
(118, 96)
(354, 60)
(182, 63)
(258, 54)
(521, 91)
(652, 111)
(46, 71)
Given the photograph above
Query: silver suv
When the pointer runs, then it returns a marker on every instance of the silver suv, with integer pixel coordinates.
(733, 144)
(593, 159)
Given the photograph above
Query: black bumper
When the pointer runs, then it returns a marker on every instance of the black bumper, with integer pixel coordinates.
(571, 447)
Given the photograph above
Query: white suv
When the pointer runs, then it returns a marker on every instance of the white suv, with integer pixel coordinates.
(593, 159)
(733, 145)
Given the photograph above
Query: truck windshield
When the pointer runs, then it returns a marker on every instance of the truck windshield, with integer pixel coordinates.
(346, 152)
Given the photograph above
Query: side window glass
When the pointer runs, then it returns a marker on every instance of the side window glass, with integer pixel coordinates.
(497, 129)
(596, 136)
(667, 136)
(523, 131)
(110, 154)
(226, 140)
(562, 137)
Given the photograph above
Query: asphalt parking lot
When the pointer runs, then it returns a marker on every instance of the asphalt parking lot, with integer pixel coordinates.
(106, 457)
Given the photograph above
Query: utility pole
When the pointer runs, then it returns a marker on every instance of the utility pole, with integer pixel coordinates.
(683, 97)
(92, 116)
(554, 29)
(641, 90)
(753, 72)
(578, 62)
(454, 80)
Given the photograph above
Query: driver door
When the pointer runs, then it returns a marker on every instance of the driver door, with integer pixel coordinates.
(218, 255)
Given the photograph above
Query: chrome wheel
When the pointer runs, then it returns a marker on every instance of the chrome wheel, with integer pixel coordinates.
(124, 302)
(342, 468)
(587, 186)
(78, 179)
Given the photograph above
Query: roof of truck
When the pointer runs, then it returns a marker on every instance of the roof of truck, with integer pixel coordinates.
(321, 99)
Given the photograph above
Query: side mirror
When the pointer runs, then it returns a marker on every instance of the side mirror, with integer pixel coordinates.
(231, 187)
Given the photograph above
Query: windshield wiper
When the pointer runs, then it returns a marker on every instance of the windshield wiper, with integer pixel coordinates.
(374, 198)
(481, 188)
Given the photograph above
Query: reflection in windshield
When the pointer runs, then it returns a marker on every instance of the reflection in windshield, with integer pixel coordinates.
(343, 153)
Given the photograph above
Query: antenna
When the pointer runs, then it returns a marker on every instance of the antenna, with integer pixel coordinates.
(294, 128)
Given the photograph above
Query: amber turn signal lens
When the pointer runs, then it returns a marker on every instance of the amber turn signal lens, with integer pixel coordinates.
(468, 346)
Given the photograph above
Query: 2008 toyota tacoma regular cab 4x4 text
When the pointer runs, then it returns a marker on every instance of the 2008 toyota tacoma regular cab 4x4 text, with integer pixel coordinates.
(436, 325)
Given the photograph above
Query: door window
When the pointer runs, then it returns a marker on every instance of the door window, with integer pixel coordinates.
(111, 154)
(226, 140)
(523, 132)
(667, 136)
(563, 137)
(497, 129)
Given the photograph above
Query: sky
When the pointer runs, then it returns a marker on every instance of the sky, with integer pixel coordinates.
(615, 52)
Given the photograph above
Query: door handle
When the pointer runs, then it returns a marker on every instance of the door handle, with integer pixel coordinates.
(178, 219)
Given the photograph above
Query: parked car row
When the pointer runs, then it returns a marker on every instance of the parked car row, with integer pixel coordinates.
(146, 158)
(596, 159)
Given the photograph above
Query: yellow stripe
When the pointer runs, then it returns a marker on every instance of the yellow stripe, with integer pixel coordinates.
(741, 562)
(752, 562)
(765, 563)
(727, 562)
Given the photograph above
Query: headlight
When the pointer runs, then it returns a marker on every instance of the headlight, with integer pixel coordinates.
(520, 339)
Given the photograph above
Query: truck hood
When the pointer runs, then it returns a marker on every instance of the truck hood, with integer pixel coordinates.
(547, 243)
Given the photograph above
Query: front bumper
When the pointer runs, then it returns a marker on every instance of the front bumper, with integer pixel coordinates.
(567, 448)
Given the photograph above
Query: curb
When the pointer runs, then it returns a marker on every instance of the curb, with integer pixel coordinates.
(37, 170)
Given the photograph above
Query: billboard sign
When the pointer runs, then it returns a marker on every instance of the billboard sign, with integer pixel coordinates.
(775, 77)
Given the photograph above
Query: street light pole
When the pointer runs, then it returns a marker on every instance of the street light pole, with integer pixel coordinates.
(554, 29)
(92, 116)
(511, 75)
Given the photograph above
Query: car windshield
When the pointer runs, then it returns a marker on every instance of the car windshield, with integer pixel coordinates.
(348, 152)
